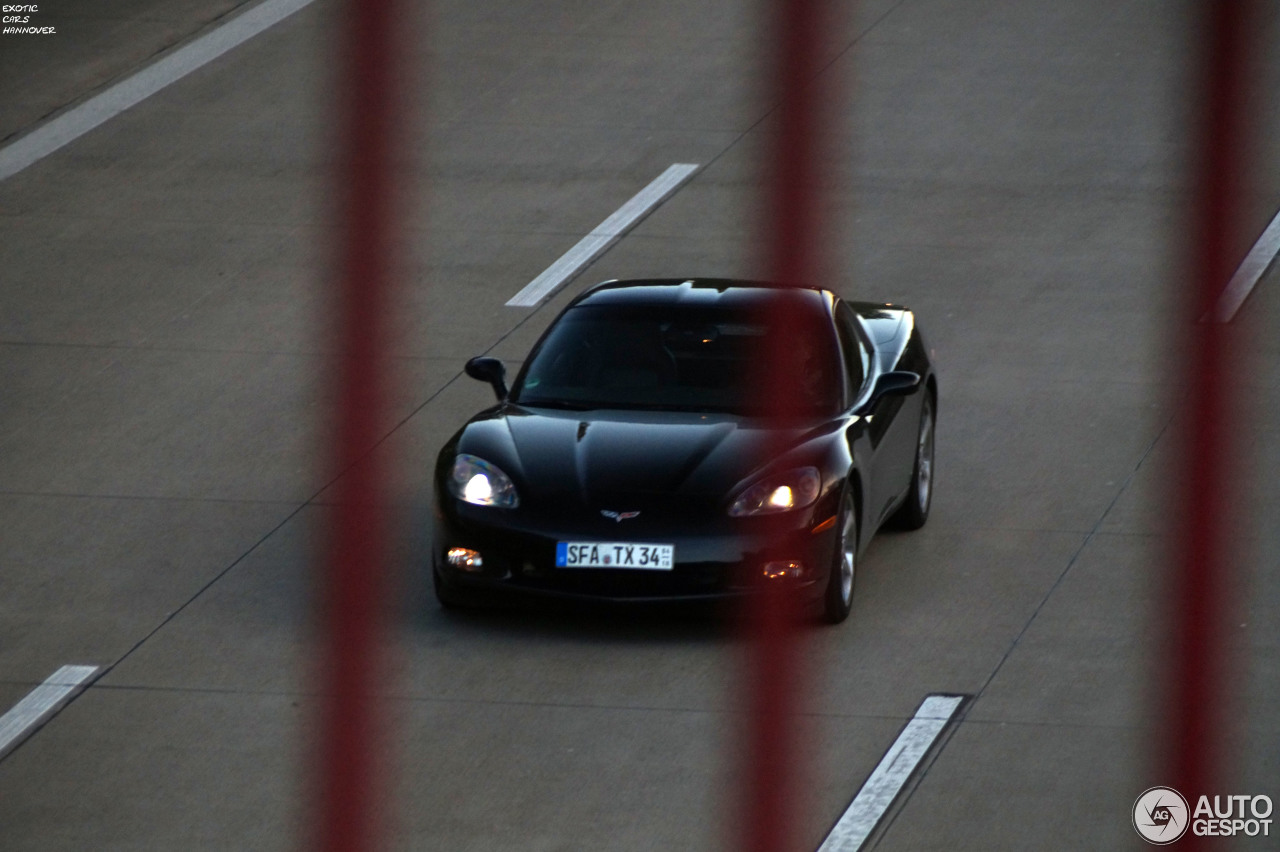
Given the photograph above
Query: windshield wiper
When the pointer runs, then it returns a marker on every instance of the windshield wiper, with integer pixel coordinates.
(560, 404)
(618, 405)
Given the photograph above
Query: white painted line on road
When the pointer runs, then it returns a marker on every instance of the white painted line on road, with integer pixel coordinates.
(590, 246)
(74, 123)
(887, 780)
(42, 702)
(1251, 270)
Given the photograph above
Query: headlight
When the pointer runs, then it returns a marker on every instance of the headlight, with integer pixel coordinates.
(781, 492)
(477, 481)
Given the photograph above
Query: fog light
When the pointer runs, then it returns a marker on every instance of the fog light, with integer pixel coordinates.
(783, 570)
(467, 560)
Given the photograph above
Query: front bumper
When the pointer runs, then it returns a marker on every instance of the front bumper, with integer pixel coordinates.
(713, 562)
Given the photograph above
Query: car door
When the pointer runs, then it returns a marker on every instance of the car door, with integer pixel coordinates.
(888, 441)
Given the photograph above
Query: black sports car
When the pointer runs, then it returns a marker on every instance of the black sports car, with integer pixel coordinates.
(631, 461)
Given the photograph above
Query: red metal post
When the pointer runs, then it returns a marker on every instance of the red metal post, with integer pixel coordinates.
(353, 582)
(793, 171)
(1201, 601)
(776, 680)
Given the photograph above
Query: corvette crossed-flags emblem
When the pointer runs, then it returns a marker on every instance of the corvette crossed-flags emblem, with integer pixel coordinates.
(619, 516)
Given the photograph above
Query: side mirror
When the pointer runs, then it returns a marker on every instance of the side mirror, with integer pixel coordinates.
(489, 370)
(895, 383)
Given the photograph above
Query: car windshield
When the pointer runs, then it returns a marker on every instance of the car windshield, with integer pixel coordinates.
(675, 357)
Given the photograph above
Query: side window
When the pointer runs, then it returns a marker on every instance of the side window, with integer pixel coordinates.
(856, 357)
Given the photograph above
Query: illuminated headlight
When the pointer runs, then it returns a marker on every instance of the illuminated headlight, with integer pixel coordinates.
(782, 492)
(476, 481)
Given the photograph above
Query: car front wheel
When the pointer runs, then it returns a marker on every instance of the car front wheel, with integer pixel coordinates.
(915, 511)
(839, 596)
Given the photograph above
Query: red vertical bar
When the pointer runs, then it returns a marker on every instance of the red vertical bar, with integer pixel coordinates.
(792, 236)
(353, 585)
(776, 681)
(1199, 662)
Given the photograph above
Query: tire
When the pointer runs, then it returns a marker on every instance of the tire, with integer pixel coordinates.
(915, 511)
(838, 600)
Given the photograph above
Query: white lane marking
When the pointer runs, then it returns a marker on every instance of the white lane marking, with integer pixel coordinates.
(886, 781)
(1251, 269)
(590, 246)
(74, 123)
(40, 704)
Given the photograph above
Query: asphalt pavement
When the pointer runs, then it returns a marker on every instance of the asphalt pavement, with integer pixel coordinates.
(1013, 170)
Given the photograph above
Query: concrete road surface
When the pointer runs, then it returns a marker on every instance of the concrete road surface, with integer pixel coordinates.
(1014, 170)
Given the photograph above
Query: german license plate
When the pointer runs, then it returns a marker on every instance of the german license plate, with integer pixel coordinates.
(615, 554)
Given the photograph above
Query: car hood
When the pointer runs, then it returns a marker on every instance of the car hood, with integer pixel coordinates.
(595, 458)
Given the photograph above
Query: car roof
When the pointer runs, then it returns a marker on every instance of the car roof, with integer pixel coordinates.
(709, 292)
